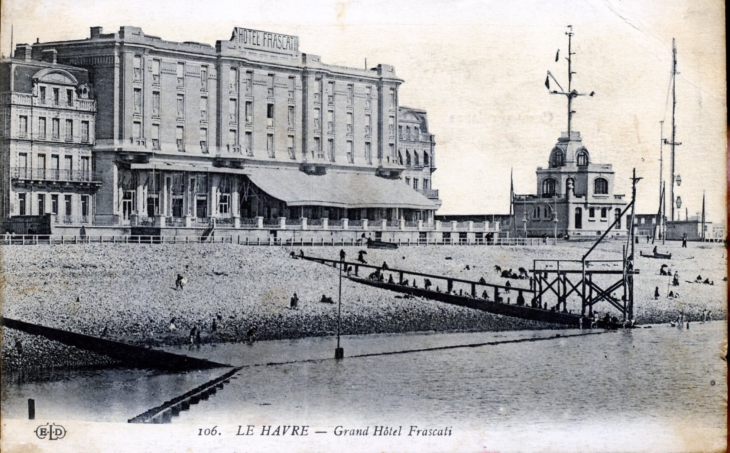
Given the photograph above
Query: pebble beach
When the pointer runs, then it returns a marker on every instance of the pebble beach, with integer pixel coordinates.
(128, 292)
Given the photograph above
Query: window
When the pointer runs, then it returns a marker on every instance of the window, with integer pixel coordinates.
(42, 94)
(408, 158)
(69, 130)
(41, 204)
(248, 137)
(317, 90)
(270, 85)
(203, 78)
(67, 205)
(408, 132)
(86, 168)
(368, 96)
(536, 212)
(349, 122)
(368, 155)
(317, 116)
(180, 138)
(392, 98)
(203, 108)
(331, 93)
(548, 187)
(425, 184)
(137, 100)
(617, 215)
(270, 145)
(68, 166)
(330, 122)
(400, 158)
(291, 85)
(85, 132)
(56, 124)
(557, 158)
(223, 202)
(137, 129)
(233, 111)
(137, 68)
(23, 126)
(23, 165)
(415, 183)
(367, 124)
(55, 167)
(180, 106)
(415, 159)
(156, 136)
(391, 149)
(290, 147)
(350, 154)
(84, 205)
(290, 117)
(56, 96)
(425, 158)
(408, 181)
(269, 115)
(70, 98)
(181, 74)
(591, 212)
(249, 113)
(249, 82)
(400, 132)
(600, 186)
(604, 213)
(318, 148)
(391, 126)
(203, 140)
(41, 127)
(415, 133)
(54, 204)
(155, 72)
(582, 158)
(350, 94)
(331, 149)
(233, 80)
(21, 204)
(155, 103)
(232, 138)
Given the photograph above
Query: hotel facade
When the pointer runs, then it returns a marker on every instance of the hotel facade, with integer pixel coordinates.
(183, 135)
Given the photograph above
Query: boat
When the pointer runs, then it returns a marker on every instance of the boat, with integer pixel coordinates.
(381, 245)
(659, 256)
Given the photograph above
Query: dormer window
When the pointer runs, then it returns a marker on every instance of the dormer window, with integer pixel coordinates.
(557, 159)
(582, 158)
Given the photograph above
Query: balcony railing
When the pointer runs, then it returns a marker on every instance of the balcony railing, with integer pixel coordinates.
(175, 221)
(47, 174)
(430, 193)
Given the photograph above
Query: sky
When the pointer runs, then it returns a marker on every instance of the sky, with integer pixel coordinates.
(478, 68)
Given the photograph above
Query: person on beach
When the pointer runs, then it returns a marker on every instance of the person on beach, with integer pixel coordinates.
(192, 335)
(172, 325)
(361, 257)
(684, 241)
(485, 296)
(656, 293)
(251, 334)
(520, 299)
(294, 302)
(508, 285)
(704, 315)
(385, 266)
(390, 279)
(675, 280)
(342, 255)
(180, 282)
(427, 284)
(301, 253)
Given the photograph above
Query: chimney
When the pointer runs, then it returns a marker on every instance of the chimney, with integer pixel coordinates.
(23, 52)
(96, 32)
(49, 55)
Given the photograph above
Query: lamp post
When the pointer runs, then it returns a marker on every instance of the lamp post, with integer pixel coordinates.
(555, 226)
(340, 352)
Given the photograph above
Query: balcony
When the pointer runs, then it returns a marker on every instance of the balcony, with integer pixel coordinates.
(432, 194)
(71, 220)
(46, 174)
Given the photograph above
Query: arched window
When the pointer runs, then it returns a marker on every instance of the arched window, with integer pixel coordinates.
(582, 158)
(548, 187)
(536, 212)
(408, 158)
(425, 158)
(545, 212)
(408, 132)
(400, 158)
(415, 159)
(558, 159)
(600, 186)
(618, 217)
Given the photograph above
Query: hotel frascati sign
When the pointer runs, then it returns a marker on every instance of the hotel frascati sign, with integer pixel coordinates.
(266, 41)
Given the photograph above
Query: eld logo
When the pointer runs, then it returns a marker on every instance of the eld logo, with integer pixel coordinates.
(51, 432)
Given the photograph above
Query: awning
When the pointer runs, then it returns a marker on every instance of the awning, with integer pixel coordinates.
(340, 189)
(159, 166)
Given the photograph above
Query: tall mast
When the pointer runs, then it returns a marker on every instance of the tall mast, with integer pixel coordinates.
(570, 78)
(674, 142)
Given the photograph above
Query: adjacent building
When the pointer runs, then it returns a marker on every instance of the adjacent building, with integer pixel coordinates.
(575, 196)
(183, 134)
(49, 120)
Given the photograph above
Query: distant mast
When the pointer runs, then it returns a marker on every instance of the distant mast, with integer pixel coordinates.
(674, 142)
(570, 93)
